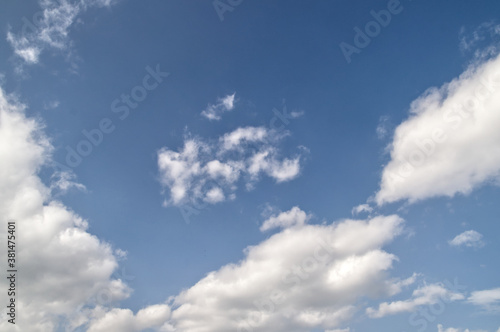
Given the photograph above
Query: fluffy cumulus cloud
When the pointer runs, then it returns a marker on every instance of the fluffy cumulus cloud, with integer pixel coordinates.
(304, 277)
(293, 217)
(49, 28)
(66, 271)
(426, 295)
(488, 299)
(210, 172)
(469, 238)
(215, 111)
(124, 320)
(451, 142)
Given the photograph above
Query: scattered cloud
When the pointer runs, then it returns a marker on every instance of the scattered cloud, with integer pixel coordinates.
(215, 111)
(361, 208)
(211, 171)
(293, 217)
(51, 30)
(469, 238)
(51, 105)
(302, 278)
(382, 128)
(451, 329)
(486, 32)
(488, 299)
(450, 144)
(427, 295)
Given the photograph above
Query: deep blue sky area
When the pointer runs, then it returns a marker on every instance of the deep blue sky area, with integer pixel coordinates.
(271, 55)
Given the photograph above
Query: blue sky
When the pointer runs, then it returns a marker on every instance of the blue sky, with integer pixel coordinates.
(172, 164)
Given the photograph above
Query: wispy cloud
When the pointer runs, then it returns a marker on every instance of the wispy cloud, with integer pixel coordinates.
(361, 208)
(469, 238)
(52, 30)
(215, 111)
(488, 299)
(427, 295)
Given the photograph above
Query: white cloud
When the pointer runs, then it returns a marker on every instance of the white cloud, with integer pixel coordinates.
(451, 329)
(215, 111)
(427, 295)
(469, 238)
(211, 171)
(339, 330)
(489, 299)
(124, 320)
(451, 142)
(293, 217)
(63, 266)
(51, 30)
(236, 138)
(361, 208)
(299, 279)
(66, 273)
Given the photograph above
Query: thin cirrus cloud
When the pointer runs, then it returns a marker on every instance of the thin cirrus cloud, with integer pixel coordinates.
(426, 295)
(210, 171)
(469, 238)
(50, 29)
(488, 299)
(67, 272)
(215, 111)
(450, 144)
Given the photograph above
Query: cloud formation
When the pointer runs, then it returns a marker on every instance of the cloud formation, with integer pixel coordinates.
(304, 277)
(427, 295)
(450, 144)
(209, 172)
(469, 238)
(488, 299)
(67, 273)
(215, 111)
(50, 28)
(451, 329)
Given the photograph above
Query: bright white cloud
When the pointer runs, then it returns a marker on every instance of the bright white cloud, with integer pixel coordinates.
(211, 171)
(66, 271)
(215, 111)
(489, 299)
(451, 142)
(302, 278)
(469, 238)
(293, 217)
(427, 295)
(50, 29)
